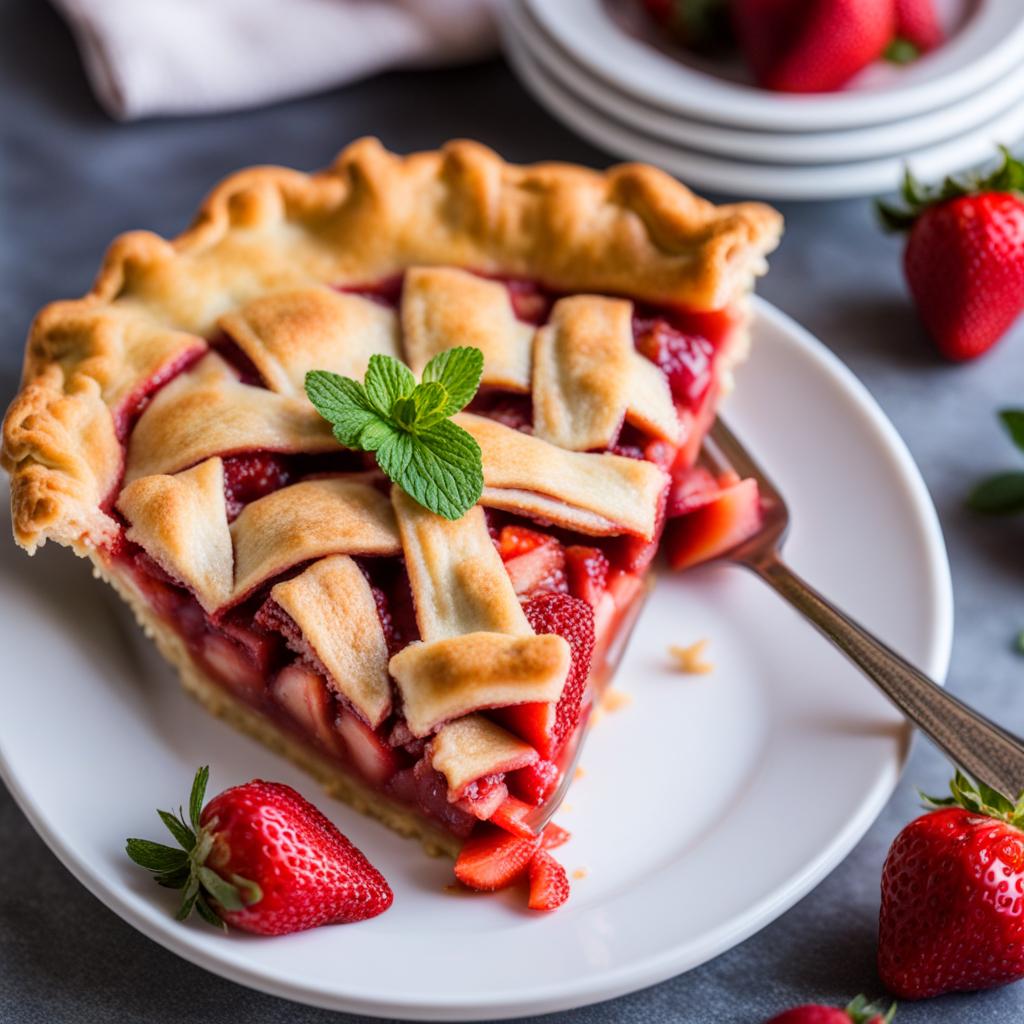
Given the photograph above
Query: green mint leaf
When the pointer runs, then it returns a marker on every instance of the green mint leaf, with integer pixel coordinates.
(198, 795)
(403, 414)
(375, 434)
(1002, 494)
(226, 894)
(206, 912)
(181, 832)
(406, 424)
(1013, 420)
(343, 402)
(458, 371)
(425, 407)
(387, 380)
(441, 468)
(1019, 642)
(155, 856)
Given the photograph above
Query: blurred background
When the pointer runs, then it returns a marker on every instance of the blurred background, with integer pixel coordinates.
(121, 114)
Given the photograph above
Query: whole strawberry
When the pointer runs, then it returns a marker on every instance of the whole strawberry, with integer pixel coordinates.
(952, 915)
(860, 1011)
(964, 259)
(918, 24)
(262, 858)
(811, 45)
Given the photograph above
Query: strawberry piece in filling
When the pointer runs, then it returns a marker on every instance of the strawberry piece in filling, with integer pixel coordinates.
(546, 726)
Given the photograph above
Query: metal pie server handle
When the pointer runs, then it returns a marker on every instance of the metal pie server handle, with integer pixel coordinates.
(979, 746)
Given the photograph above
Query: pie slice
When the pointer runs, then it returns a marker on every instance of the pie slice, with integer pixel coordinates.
(428, 671)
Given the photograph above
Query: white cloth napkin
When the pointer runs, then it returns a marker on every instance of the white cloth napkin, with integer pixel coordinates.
(147, 57)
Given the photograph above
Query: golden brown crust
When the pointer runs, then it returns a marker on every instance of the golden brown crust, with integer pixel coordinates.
(181, 522)
(286, 334)
(588, 377)
(631, 229)
(594, 493)
(458, 580)
(311, 519)
(443, 307)
(333, 606)
(445, 679)
(207, 411)
(473, 747)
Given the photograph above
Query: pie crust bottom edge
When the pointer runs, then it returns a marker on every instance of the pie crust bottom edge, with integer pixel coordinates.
(335, 779)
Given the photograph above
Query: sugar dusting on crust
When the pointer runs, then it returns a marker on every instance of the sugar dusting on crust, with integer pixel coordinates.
(691, 659)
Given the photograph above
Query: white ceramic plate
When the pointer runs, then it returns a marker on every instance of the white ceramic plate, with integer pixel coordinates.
(988, 41)
(762, 180)
(825, 147)
(93, 737)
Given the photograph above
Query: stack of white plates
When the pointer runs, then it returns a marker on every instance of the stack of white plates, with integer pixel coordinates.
(600, 67)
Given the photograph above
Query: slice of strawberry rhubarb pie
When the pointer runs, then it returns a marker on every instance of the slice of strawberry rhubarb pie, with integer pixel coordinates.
(380, 456)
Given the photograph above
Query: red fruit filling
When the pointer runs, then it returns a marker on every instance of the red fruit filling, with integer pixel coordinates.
(730, 517)
(687, 360)
(580, 587)
(549, 884)
(511, 815)
(535, 561)
(492, 858)
(536, 782)
(547, 726)
(252, 476)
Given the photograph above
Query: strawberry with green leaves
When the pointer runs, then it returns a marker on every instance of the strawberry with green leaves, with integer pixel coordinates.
(860, 1011)
(263, 859)
(952, 917)
(964, 259)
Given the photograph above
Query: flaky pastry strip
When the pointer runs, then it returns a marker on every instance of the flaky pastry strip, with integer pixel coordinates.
(312, 519)
(181, 522)
(333, 606)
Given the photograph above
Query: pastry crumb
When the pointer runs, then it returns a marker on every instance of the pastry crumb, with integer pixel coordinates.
(615, 700)
(578, 774)
(579, 873)
(566, 807)
(691, 659)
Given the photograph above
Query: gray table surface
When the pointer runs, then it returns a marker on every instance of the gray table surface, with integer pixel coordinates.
(70, 179)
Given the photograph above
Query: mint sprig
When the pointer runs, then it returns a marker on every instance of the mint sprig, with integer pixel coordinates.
(1003, 494)
(407, 426)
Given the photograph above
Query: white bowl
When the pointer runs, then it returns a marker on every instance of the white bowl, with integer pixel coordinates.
(894, 138)
(987, 44)
(763, 180)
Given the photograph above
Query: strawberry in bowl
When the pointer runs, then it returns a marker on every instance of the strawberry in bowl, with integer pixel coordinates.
(802, 46)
